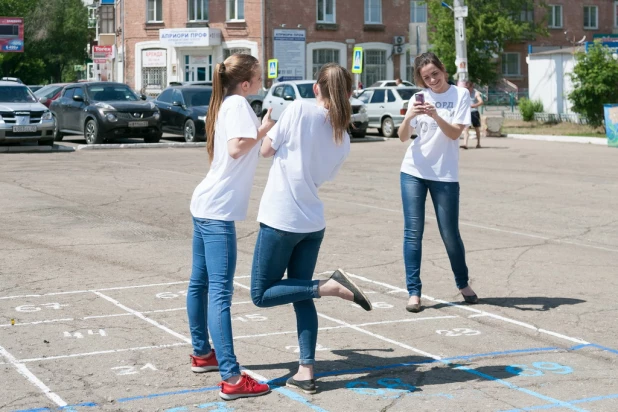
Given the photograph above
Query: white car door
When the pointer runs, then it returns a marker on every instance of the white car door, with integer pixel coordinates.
(275, 101)
(375, 107)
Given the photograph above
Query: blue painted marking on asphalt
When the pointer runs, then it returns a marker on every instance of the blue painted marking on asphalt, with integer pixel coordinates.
(520, 389)
(555, 405)
(357, 371)
(158, 395)
(298, 398)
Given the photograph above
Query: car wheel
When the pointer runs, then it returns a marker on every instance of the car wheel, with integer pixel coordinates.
(91, 132)
(189, 131)
(57, 134)
(257, 107)
(388, 127)
(360, 134)
(153, 139)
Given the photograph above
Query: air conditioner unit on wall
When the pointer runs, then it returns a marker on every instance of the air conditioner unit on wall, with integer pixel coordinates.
(398, 49)
(399, 40)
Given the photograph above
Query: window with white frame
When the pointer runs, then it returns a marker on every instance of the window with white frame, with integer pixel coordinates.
(326, 11)
(591, 17)
(373, 11)
(374, 68)
(409, 67)
(198, 10)
(555, 16)
(240, 50)
(321, 57)
(235, 10)
(107, 19)
(510, 64)
(155, 11)
(418, 11)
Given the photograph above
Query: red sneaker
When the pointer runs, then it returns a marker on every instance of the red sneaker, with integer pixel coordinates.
(245, 388)
(199, 365)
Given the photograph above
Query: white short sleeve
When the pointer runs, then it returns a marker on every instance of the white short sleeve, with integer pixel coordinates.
(462, 111)
(238, 121)
(279, 134)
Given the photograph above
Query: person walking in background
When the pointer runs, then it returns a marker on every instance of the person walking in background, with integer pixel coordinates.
(476, 101)
(439, 114)
(234, 133)
(309, 145)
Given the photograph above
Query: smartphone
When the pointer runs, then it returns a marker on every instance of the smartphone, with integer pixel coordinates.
(420, 98)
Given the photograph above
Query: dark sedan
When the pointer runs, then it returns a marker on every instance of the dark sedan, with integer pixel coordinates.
(183, 111)
(104, 110)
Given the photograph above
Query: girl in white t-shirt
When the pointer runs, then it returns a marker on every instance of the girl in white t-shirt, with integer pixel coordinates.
(432, 164)
(233, 132)
(309, 144)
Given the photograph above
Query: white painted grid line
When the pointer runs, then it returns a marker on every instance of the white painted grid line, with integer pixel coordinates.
(25, 372)
(144, 318)
(476, 311)
(39, 322)
(103, 352)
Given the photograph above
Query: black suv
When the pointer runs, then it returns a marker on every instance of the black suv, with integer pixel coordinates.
(104, 110)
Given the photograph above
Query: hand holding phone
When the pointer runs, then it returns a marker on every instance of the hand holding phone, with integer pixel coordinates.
(419, 98)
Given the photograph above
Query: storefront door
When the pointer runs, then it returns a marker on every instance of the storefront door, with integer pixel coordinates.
(198, 68)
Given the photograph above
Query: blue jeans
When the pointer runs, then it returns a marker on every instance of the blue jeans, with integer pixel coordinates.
(276, 251)
(445, 197)
(209, 297)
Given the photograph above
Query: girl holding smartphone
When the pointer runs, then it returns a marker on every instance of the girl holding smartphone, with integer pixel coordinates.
(439, 114)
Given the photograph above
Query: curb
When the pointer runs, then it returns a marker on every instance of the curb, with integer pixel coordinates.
(563, 139)
(36, 149)
(138, 146)
(367, 139)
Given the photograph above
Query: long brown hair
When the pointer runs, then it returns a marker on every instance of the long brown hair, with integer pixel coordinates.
(423, 60)
(234, 70)
(335, 83)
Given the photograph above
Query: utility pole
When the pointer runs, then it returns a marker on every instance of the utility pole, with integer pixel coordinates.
(461, 60)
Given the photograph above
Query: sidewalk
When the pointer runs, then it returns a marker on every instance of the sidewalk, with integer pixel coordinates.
(549, 138)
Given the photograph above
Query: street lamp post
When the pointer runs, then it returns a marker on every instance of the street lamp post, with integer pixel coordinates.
(461, 54)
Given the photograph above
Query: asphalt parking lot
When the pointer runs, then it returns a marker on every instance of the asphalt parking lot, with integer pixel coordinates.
(95, 259)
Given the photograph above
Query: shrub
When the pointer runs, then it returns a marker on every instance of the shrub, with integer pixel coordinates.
(528, 108)
(595, 82)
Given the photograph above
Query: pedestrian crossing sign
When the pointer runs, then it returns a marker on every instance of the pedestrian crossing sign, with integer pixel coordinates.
(273, 68)
(357, 60)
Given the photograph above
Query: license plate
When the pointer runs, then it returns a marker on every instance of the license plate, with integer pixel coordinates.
(24, 128)
(138, 124)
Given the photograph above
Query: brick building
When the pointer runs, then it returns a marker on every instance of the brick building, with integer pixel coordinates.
(181, 40)
(568, 21)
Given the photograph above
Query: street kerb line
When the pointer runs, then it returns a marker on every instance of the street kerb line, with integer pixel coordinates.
(494, 229)
(477, 311)
(25, 372)
(283, 391)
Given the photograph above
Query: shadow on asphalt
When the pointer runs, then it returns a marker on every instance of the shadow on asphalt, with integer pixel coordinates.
(400, 374)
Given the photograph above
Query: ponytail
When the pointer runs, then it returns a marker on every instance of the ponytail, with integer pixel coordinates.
(335, 83)
(216, 99)
(234, 70)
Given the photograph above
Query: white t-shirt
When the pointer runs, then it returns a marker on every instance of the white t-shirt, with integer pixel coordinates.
(306, 157)
(432, 155)
(224, 192)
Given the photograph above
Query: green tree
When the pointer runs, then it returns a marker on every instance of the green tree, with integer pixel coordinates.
(490, 25)
(595, 83)
(56, 36)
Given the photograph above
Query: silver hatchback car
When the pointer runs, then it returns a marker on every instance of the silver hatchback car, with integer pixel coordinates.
(386, 107)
